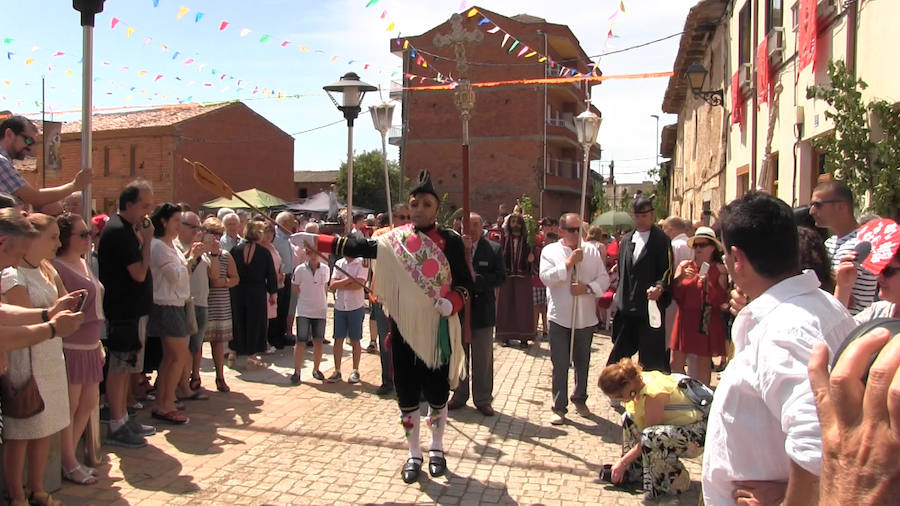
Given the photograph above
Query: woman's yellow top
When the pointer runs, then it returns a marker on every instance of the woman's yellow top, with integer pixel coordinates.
(679, 410)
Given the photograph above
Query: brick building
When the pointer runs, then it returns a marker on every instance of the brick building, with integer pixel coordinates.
(522, 137)
(242, 147)
(310, 182)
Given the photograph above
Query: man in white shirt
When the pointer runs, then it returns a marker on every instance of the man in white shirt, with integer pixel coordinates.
(832, 207)
(763, 433)
(574, 273)
(232, 235)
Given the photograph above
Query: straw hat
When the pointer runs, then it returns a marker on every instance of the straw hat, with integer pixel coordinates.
(708, 234)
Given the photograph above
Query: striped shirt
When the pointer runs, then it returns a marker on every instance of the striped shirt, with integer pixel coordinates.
(866, 284)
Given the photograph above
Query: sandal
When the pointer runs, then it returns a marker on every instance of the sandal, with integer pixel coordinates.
(195, 396)
(171, 417)
(195, 383)
(79, 475)
(221, 385)
(43, 499)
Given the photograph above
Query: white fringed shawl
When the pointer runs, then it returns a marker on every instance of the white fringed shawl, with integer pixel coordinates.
(414, 312)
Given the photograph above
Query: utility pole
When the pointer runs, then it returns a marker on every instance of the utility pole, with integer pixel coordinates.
(464, 96)
(656, 140)
(612, 181)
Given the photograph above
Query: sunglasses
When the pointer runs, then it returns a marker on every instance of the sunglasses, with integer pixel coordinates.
(698, 245)
(571, 230)
(819, 204)
(888, 271)
(28, 140)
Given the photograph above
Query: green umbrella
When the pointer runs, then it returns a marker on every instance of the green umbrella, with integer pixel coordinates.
(254, 196)
(613, 219)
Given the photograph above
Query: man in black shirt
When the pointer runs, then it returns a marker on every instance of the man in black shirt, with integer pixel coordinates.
(124, 261)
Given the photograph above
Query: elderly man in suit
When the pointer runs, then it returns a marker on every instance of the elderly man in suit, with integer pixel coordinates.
(490, 273)
(645, 272)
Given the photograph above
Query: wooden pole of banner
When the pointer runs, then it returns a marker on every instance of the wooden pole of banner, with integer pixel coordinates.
(205, 177)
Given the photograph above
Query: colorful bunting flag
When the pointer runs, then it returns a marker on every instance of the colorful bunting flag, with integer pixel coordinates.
(129, 32)
(390, 27)
(245, 31)
(182, 11)
(264, 38)
(371, 3)
(113, 23)
(472, 12)
(223, 25)
(198, 17)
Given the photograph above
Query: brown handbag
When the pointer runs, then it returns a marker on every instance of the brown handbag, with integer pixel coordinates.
(23, 402)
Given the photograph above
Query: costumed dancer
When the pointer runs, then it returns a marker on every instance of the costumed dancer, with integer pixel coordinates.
(423, 281)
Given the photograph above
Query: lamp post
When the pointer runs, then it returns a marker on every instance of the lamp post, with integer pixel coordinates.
(353, 91)
(381, 118)
(587, 126)
(88, 9)
(696, 76)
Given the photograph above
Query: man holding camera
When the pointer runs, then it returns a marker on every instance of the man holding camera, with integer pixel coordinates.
(124, 258)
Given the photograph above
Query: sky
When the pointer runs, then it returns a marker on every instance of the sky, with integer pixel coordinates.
(149, 53)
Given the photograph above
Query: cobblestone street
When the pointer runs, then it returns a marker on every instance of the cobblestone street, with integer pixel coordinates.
(268, 442)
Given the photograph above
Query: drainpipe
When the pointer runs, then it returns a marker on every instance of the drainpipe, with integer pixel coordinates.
(754, 24)
(852, 14)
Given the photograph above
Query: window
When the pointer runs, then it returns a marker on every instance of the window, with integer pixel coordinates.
(707, 213)
(773, 14)
(795, 16)
(743, 180)
(744, 33)
(301, 193)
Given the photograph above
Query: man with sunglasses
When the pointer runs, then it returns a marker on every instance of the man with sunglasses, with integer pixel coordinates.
(17, 138)
(645, 273)
(832, 207)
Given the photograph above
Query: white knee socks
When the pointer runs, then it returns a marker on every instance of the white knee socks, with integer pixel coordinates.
(411, 422)
(437, 420)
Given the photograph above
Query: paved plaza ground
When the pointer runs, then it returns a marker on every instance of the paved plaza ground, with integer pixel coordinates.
(268, 442)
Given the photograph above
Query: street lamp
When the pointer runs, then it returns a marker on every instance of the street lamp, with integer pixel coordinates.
(353, 91)
(89, 10)
(381, 118)
(696, 76)
(587, 126)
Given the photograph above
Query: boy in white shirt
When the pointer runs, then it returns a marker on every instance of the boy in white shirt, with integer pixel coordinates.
(349, 312)
(310, 282)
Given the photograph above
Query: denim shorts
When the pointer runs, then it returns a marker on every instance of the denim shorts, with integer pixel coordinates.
(310, 328)
(349, 323)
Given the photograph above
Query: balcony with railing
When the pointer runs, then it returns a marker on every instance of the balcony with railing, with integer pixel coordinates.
(396, 92)
(395, 135)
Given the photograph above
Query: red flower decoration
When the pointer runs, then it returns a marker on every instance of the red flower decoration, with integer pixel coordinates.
(430, 268)
(413, 243)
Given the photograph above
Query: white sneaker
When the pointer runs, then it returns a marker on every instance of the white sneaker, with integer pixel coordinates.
(354, 377)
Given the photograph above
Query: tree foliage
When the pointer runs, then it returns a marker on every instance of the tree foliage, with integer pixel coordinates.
(625, 199)
(661, 190)
(368, 181)
(870, 166)
(599, 203)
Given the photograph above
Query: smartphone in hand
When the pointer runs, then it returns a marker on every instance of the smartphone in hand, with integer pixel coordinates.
(80, 304)
(704, 269)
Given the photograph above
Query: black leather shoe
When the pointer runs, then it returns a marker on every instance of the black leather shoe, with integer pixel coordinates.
(485, 409)
(437, 465)
(411, 470)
